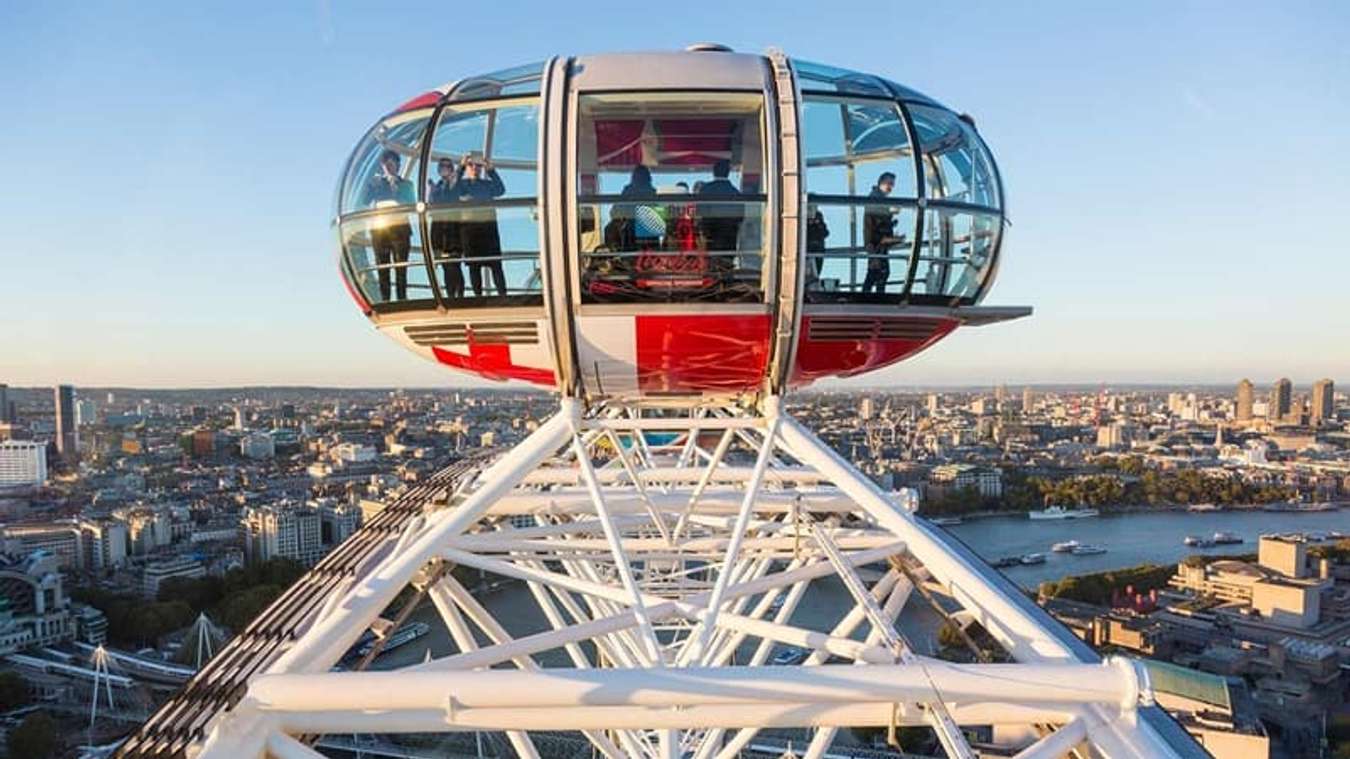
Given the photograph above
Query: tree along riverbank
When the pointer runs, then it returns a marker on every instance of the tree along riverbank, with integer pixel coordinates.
(1120, 484)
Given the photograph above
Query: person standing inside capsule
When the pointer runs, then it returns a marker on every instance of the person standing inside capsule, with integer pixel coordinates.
(391, 241)
(479, 237)
(445, 233)
(721, 222)
(879, 236)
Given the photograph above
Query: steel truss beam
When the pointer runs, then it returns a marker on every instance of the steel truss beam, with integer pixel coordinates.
(677, 583)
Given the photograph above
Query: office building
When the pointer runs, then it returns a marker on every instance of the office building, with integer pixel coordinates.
(1115, 435)
(34, 609)
(86, 412)
(1027, 399)
(1246, 396)
(62, 539)
(338, 519)
(148, 528)
(866, 408)
(104, 544)
(157, 572)
(23, 463)
(987, 481)
(1283, 589)
(257, 445)
(5, 418)
(1323, 403)
(353, 453)
(282, 530)
(1281, 400)
(67, 442)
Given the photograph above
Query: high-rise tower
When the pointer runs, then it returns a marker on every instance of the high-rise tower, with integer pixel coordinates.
(1323, 405)
(67, 442)
(1281, 400)
(1246, 394)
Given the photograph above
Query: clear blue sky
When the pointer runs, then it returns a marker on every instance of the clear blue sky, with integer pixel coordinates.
(1177, 175)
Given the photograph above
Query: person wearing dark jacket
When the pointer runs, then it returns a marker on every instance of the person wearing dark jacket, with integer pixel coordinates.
(721, 222)
(817, 231)
(878, 236)
(445, 232)
(393, 241)
(479, 236)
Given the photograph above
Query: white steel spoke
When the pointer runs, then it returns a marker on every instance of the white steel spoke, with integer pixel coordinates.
(653, 649)
(737, 535)
(949, 734)
(713, 463)
(657, 519)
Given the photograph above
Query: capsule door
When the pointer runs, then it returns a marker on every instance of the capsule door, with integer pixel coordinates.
(672, 263)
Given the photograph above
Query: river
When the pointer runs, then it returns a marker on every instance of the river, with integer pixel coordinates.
(1130, 539)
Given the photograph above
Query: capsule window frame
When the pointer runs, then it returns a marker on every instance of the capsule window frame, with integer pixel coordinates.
(534, 302)
(575, 199)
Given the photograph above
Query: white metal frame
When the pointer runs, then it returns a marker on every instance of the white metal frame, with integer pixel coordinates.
(658, 568)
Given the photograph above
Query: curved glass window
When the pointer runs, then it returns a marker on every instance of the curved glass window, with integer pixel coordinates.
(367, 184)
(910, 95)
(517, 80)
(670, 197)
(956, 165)
(384, 258)
(482, 204)
(956, 252)
(380, 230)
(862, 194)
(817, 77)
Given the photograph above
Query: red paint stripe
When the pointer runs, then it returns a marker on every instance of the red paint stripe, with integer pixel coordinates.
(493, 361)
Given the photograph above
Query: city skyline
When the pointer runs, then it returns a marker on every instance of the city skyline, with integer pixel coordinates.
(211, 263)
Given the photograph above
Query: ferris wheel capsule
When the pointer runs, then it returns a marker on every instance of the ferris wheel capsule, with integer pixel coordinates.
(676, 225)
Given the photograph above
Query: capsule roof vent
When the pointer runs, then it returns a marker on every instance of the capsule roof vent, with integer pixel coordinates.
(708, 47)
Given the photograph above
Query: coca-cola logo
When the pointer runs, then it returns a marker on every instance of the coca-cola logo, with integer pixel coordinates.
(667, 263)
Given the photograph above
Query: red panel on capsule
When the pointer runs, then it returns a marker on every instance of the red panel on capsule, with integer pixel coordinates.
(851, 346)
(701, 353)
(425, 100)
(493, 361)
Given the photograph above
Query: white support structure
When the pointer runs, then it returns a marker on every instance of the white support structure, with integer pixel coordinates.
(684, 600)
